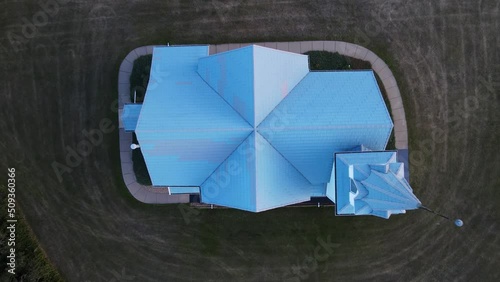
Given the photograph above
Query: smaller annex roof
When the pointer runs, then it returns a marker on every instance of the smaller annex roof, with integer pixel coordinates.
(130, 116)
(371, 183)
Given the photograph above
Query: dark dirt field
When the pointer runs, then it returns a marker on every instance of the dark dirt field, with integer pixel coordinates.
(63, 80)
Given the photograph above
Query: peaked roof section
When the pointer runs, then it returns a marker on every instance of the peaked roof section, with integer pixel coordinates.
(253, 79)
(341, 183)
(185, 129)
(256, 178)
(328, 112)
(372, 183)
(387, 192)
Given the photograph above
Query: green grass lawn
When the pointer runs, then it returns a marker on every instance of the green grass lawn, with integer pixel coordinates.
(31, 261)
(92, 228)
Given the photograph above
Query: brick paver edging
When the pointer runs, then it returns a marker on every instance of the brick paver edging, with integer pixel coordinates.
(147, 194)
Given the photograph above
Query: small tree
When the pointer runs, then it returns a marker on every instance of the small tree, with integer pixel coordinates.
(139, 78)
(323, 60)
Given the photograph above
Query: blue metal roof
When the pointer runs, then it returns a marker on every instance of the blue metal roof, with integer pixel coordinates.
(130, 115)
(177, 60)
(253, 79)
(256, 178)
(276, 73)
(328, 112)
(230, 74)
(185, 129)
(233, 183)
(253, 127)
(371, 183)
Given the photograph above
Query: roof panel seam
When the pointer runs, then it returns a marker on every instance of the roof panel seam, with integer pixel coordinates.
(285, 158)
(216, 92)
(287, 95)
(228, 156)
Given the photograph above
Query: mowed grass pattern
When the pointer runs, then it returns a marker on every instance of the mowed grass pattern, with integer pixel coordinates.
(63, 80)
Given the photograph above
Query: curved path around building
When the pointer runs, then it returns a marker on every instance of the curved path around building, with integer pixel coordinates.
(160, 195)
(143, 193)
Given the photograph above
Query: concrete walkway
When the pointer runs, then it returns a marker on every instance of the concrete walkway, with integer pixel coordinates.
(159, 195)
(143, 193)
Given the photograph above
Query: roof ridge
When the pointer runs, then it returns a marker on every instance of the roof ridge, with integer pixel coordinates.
(404, 183)
(223, 161)
(198, 129)
(341, 159)
(368, 200)
(229, 51)
(383, 191)
(332, 127)
(382, 98)
(404, 192)
(290, 91)
(256, 172)
(253, 86)
(345, 208)
(356, 167)
(216, 92)
(272, 146)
